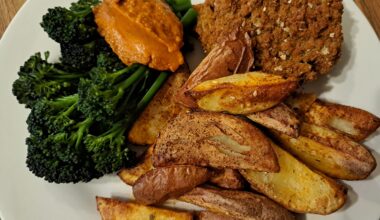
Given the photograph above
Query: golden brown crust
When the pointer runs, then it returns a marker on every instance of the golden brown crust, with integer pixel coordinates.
(353, 122)
(329, 154)
(162, 183)
(302, 102)
(244, 205)
(228, 179)
(280, 118)
(112, 209)
(130, 175)
(160, 110)
(232, 56)
(243, 93)
(290, 38)
(207, 215)
(297, 187)
(216, 140)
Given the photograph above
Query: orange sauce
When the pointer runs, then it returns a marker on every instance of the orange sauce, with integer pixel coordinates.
(142, 31)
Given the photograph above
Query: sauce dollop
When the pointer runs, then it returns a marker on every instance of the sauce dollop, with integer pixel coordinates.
(142, 31)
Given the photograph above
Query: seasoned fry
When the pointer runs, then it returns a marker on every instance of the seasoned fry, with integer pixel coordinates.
(207, 215)
(356, 123)
(301, 103)
(231, 56)
(129, 176)
(280, 118)
(160, 110)
(112, 209)
(330, 152)
(216, 140)
(243, 93)
(228, 179)
(244, 205)
(297, 187)
(162, 183)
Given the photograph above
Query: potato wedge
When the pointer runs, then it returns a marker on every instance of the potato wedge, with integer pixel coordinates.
(130, 175)
(160, 110)
(239, 204)
(162, 183)
(207, 215)
(232, 56)
(215, 140)
(112, 209)
(330, 152)
(301, 103)
(356, 123)
(280, 118)
(228, 179)
(297, 187)
(243, 93)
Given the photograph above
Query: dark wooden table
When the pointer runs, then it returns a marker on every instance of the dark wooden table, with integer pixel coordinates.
(371, 8)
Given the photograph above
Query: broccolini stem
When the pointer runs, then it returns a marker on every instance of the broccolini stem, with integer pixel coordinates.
(133, 78)
(180, 5)
(66, 101)
(60, 74)
(82, 128)
(152, 91)
(189, 18)
(118, 73)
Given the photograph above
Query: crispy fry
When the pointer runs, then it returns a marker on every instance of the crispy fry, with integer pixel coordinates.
(243, 93)
(159, 111)
(356, 123)
(228, 179)
(129, 176)
(280, 118)
(301, 103)
(207, 215)
(216, 140)
(232, 56)
(112, 209)
(162, 183)
(330, 152)
(297, 187)
(244, 205)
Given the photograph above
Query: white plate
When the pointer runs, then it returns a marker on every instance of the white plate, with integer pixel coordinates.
(355, 81)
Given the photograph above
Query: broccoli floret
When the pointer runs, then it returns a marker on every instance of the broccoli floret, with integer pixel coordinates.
(40, 79)
(101, 96)
(83, 57)
(71, 25)
(109, 150)
(79, 56)
(51, 116)
(61, 157)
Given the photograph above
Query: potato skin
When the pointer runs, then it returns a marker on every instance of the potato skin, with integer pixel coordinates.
(330, 152)
(228, 179)
(239, 204)
(353, 122)
(206, 215)
(280, 118)
(162, 183)
(217, 140)
(112, 209)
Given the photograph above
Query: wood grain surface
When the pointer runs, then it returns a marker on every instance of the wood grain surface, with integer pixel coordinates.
(371, 8)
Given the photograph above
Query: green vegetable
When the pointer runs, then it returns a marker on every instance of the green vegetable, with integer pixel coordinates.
(189, 19)
(81, 108)
(103, 94)
(71, 25)
(40, 79)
